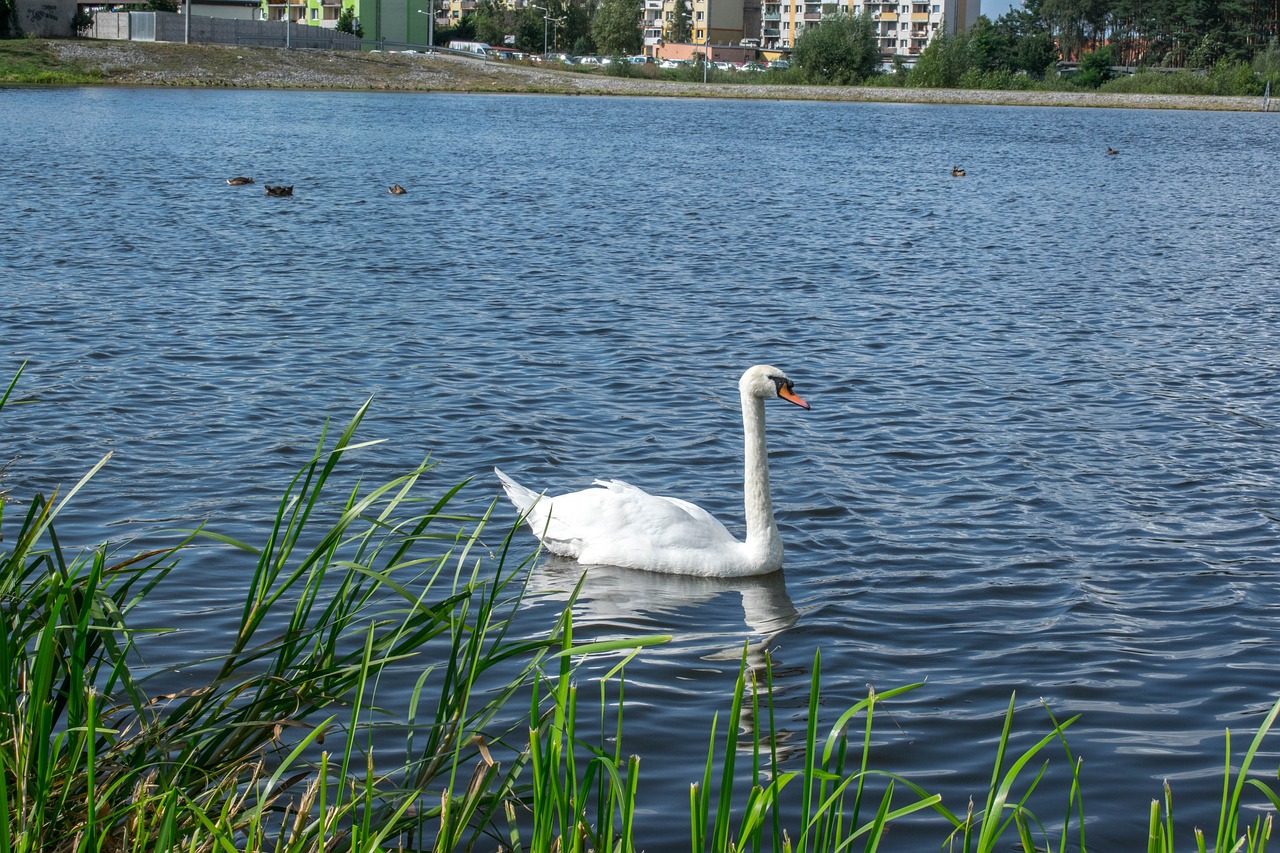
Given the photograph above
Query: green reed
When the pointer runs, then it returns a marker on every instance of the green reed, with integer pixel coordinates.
(274, 748)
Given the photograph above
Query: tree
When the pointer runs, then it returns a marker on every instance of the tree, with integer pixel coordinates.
(347, 22)
(842, 50)
(942, 63)
(9, 28)
(1095, 68)
(679, 30)
(531, 31)
(616, 27)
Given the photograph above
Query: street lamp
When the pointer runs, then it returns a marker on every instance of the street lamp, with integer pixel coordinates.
(431, 26)
(555, 33)
(706, 41)
(546, 17)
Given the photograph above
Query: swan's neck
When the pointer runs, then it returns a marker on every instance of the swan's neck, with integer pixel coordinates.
(762, 531)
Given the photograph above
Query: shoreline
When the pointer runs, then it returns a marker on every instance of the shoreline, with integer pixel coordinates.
(127, 63)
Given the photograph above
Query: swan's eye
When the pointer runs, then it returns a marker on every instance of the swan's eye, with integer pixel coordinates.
(781, 382)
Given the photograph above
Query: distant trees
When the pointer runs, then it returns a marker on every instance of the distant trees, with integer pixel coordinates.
(841, 50)
(616, 27)
(1003, 55)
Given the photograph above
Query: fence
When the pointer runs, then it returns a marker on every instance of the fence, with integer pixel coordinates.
(168, 26)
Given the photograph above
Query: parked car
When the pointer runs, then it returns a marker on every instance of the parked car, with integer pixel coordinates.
(672, 63)
(588, 60)
(780, 64)
(641, 60)
(725, 66)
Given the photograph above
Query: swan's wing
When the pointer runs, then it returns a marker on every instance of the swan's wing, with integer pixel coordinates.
(617, 523)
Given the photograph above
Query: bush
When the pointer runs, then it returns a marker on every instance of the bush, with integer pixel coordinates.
(842, 50)
(1234, 78)
(1148, 82)
(1266, 64)
(1095, 68)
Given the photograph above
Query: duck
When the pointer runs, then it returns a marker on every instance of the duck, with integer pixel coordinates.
(279, 192)
(396, 189)
(618, 524)
(1113, 152)
(239, 182)
(957, 172)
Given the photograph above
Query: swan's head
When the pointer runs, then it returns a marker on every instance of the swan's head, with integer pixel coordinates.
(764, 381)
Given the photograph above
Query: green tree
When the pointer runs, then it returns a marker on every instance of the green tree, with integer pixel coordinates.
(942, 63)
(842, 50)
(616, 27)
(492, 21)
(531, 30)
(1095, 68)
(679, 31)
(347, 22)
(9, 28)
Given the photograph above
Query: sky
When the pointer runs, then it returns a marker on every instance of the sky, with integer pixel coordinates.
(995, 8)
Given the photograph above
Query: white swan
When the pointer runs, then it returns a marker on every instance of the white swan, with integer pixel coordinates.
(617, 524)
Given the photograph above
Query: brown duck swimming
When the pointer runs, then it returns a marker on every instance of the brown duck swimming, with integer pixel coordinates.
(957, 172)
(1113, 152)
(396, 189)
(279, 191)
(239, 182)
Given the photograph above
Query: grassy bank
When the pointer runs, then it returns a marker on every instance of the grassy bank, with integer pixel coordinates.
(351, 585)
(124, 63)
(33, 63)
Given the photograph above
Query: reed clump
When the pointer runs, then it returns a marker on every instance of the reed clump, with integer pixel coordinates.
(277, 748)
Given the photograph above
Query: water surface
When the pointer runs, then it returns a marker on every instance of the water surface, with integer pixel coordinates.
(1043, 450)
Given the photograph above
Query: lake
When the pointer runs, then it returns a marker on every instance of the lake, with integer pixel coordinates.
(1044, 447)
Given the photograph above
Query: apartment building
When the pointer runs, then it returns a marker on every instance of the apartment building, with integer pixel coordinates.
(903, 27)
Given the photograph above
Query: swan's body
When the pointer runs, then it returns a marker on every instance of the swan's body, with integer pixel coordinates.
(615, 523)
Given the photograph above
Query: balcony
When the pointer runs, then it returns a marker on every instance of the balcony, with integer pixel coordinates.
(813, 16)
(771, 16)
(771, 33)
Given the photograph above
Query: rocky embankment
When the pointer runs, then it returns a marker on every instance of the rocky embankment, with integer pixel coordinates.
(155, 64)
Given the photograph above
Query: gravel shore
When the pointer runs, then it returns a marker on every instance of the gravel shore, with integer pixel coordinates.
(154, 64)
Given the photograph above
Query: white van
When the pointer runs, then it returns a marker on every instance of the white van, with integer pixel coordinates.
(479, 48)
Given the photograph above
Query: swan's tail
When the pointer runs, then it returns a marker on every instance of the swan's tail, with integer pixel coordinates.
(523, 498)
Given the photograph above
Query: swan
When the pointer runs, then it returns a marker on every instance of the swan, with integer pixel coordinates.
(615, 523)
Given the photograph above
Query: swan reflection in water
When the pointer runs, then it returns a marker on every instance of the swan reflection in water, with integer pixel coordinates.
(615, 599)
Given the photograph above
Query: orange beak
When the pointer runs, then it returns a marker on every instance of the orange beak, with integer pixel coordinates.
(792, 397)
